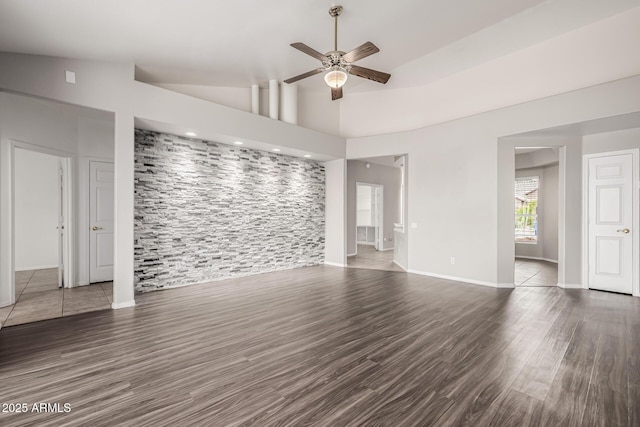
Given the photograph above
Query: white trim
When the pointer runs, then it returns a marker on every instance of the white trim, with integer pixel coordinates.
(334, 264)
(571, 286)
(635, 155)
(125, 304)
(40, 267)
(457, 279)
(401, 266)
(364, 243)
(353, 254)
(555, 261)
(388, 249)
(506, 285)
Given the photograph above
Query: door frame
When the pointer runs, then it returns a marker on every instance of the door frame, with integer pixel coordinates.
(380, 215)
(66, 161)
(635, 155)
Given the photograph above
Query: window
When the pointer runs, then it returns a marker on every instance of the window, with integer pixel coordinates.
(526, 209)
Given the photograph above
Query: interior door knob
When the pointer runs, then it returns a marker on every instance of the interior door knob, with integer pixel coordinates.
(624, 230)
(94, 228)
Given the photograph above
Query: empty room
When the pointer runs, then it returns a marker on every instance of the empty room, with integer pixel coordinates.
(302, 213)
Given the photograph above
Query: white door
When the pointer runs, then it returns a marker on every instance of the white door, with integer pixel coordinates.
(101, 222)
(610, 223)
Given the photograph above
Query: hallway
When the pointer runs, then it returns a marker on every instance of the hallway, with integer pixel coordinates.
(39, 298)
(529, 272)
(371, 259)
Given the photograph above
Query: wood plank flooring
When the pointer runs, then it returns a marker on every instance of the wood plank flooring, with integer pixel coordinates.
(328, 346)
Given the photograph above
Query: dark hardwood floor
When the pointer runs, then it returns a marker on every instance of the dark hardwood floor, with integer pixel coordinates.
(332, 347)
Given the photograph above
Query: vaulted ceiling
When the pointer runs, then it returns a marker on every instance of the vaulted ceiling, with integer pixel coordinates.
(242, 42)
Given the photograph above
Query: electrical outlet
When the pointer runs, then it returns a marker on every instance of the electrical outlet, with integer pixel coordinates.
(414, 225)
(452, 260)
(70, 77)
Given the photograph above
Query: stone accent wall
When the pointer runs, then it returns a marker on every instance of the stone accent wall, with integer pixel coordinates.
(206, 211)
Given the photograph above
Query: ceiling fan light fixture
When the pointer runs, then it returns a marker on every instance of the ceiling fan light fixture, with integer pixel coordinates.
(336, 78)
(337, 64)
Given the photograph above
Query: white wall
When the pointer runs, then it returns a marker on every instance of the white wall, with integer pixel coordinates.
(461, 176)
(335, 207)
(390, 179)
(316, 110)
(611, 141)
(36, 210)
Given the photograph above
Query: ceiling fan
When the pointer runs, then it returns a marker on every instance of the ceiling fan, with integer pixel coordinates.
(339, 64)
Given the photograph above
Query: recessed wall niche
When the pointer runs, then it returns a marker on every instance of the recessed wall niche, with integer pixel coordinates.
(206, 211)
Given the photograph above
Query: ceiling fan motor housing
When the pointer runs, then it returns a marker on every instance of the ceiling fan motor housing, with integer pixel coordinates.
(334, 59)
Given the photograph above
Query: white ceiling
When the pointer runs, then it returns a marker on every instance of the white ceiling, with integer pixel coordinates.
(238, 43)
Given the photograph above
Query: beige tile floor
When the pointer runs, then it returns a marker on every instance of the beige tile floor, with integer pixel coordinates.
(371, 259)
(530, 272)
(39, 298)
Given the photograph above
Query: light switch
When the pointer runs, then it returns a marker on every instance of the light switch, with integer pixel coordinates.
(70, 77)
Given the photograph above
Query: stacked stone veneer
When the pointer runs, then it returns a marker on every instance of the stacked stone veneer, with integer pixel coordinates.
(206, 211)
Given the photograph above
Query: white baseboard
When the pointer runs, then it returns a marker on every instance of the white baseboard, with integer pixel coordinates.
(125, 304)
(388, 249)
(555, 261)
(353, 254)
(570, 286)
(334, 264)
(400, 265)
(505, 285)
(455, 278)
(40, 267)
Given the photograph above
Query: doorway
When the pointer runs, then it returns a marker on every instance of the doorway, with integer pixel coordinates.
(611, 229)
(536, 216)
(42, 206)
(375, 212)
(42, 244)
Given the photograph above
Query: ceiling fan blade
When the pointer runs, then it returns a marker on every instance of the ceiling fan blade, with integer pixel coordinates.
(336, 93)
(309, 51)
(304, 75)
(361, 52)
(376, 76)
